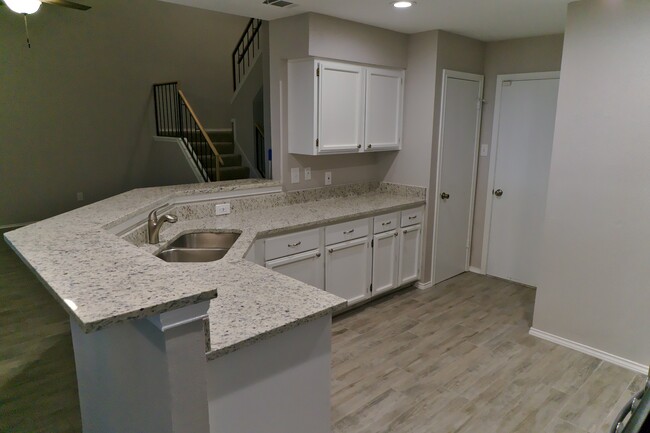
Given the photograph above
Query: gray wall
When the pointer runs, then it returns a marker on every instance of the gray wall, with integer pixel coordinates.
(78, 111)
(319, 36)
(594, 275)
(538, 54)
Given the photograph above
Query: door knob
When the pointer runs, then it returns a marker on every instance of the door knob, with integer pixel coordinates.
(444, 196)
(498, 192)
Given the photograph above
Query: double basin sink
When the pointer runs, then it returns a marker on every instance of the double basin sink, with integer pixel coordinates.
(198, 247)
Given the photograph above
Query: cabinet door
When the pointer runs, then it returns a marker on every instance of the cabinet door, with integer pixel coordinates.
(347, 270)
(341, 100)
(384, 96)
(307, 267)
(409, 254)
(384, 262)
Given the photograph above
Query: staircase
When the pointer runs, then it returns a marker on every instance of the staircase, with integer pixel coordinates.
(232, 167)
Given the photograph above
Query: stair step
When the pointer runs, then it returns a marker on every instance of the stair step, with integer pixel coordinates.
(221, 136)
(230, 173)
(231, 160)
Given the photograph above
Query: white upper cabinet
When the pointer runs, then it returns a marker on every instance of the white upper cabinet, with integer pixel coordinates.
(383, 109)
(341, 101)
(336, 107)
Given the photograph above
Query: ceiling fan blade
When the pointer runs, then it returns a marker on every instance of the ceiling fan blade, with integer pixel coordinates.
(67, 4)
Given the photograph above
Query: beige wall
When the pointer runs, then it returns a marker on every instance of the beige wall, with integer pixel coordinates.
(594, 275)
(539, 54)
(316, 35)
(77, 110)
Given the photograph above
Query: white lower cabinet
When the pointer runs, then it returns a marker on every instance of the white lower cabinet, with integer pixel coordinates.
(347, 269)
(410, 244)
(307, 267)
(385, 252)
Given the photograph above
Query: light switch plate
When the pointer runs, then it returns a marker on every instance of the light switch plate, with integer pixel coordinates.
(295, 175)
(222, 208)
(307, 173)
(328, 178)
(484, 150)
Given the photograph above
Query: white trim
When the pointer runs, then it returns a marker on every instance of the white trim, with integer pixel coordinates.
(423, 286)
(245, 160)
(446, 73)
(592, 351)
(476, 270)
(493, 150)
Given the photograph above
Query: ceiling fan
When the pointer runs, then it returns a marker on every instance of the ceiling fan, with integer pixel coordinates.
(28, 7)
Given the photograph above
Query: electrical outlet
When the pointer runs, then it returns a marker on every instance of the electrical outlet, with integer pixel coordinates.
(328, 178)
(80, 196)
(222, 209)
(484, 150)
(307, 173)
(295, 175)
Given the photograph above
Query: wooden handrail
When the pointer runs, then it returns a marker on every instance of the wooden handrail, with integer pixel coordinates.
(259, 129)
(205, 134)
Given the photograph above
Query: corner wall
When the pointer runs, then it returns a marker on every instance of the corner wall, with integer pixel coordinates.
(78, 110)
(594, 275)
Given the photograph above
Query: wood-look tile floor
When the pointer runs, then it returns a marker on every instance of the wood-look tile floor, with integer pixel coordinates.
(458, 358)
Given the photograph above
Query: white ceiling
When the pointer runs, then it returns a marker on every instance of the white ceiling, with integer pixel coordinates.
(486, 20)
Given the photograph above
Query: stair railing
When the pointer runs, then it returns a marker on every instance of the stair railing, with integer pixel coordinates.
(259, 150)
(245, 51)
(176, 118)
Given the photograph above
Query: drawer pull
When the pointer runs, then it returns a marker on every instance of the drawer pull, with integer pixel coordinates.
(331, 250)
(348, 232)
(387, 223)
(317, 254)
(396, 234)
(295, 244)
(413, 217)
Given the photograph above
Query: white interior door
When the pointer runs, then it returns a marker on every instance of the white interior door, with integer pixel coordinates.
(457, 157)
(524, 140)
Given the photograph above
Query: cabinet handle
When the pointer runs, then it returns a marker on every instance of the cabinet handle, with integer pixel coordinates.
(318, 254)
(387, 223)
(348, 232)
(331, 250)
(369, 146)
(413, 217)
(294, 245)
(396, 234)
(358, 146)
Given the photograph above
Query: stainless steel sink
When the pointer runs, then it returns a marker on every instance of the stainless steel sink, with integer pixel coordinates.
(198, 247)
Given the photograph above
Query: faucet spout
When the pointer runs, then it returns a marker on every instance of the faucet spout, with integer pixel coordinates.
(154, 223)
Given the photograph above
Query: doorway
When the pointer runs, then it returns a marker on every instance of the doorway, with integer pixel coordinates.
(522, 141)
(460, 120)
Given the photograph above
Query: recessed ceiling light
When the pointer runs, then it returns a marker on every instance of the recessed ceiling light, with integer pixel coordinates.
(403, 4)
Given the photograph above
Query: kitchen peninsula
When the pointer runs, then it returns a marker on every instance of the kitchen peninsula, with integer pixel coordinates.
(227, 345)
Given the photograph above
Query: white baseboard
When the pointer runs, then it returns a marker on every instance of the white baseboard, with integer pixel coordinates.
(592, 351)
(476, 270)
(423, 286)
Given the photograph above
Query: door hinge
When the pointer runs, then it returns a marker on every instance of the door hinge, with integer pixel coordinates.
(371, 287)
(317, 142)
(318, 71)
(372, 243)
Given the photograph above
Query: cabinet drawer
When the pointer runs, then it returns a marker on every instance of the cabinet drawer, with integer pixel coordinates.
(383, 223)
(346, 231)
(292, 243)
(412, 216)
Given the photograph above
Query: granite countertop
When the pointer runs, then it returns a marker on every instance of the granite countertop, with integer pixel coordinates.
(101, 279)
